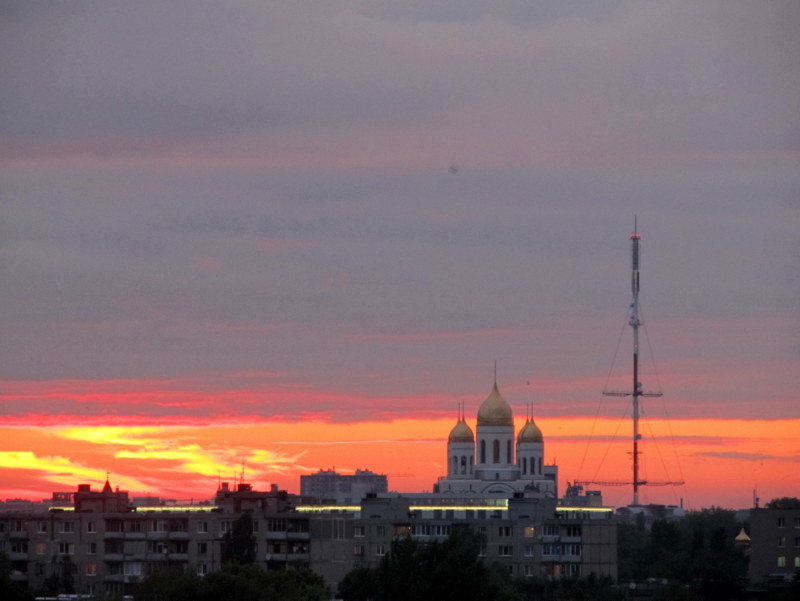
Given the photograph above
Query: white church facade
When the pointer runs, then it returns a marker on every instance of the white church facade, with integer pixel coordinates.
(496, 461)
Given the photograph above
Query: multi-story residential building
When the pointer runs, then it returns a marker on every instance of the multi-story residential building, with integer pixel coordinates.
(345, 489)
(774, 544)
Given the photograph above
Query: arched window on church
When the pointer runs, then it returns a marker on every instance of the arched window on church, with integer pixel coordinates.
(524, 465)
(508, 452)
(483, 451)
(496, 451)
(463, 464)
(455, 465)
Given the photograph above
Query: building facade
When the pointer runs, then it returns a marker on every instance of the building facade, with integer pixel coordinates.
(343, 489)
(774, 544)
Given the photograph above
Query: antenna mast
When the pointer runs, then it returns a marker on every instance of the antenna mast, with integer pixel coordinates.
(636, 386)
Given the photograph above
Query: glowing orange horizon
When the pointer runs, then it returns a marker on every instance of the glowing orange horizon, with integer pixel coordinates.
(722, 461)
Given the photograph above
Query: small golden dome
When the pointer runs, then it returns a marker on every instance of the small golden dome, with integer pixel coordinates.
(530, 432)
(461, 432)
(495, 411)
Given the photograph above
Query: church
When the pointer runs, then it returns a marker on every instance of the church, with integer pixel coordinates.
(498, 461)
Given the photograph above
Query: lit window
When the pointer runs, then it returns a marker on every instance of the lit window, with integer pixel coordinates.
(782, 561)
(91, 569)
(797, 562)
(41, 548)
(530, 532)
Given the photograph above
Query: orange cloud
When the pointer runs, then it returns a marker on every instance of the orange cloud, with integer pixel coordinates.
(720, 460)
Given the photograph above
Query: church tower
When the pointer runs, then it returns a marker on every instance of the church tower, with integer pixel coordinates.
(530, 450)
(461, 450)
(495, 447)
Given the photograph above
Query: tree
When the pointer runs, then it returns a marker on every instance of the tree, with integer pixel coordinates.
(446, 570)
(10, 590)
(234, 582)
(696, 554)
(784, 503)
(239, 545)
(61, 580)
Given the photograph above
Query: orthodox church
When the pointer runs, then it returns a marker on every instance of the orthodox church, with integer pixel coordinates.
(498, 463)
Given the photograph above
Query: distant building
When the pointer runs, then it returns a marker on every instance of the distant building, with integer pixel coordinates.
(774, 544)
(343, 489)
(647, 514)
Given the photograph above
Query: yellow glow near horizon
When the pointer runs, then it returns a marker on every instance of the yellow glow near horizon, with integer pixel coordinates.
(180, 461)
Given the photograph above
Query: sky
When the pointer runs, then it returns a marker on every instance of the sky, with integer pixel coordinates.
(280, 237)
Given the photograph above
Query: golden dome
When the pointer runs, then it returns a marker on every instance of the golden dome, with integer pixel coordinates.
(530, 433)
(461, 432)
(495, 411)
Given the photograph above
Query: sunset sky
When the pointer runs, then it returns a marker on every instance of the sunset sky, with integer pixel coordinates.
(296, 235)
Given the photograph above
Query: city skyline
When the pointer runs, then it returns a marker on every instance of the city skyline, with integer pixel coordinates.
(300, 237)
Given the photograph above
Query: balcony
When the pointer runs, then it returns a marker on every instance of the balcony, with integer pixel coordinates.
(113, 534)
(301, 557)
(135, 536)
(290, 557)
(276, 535)
(179, 535)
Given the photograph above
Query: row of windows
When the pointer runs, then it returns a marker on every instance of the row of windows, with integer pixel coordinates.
(782, 541)
(156, 525)
(782, 522)
(782, 562)
(360, 550)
